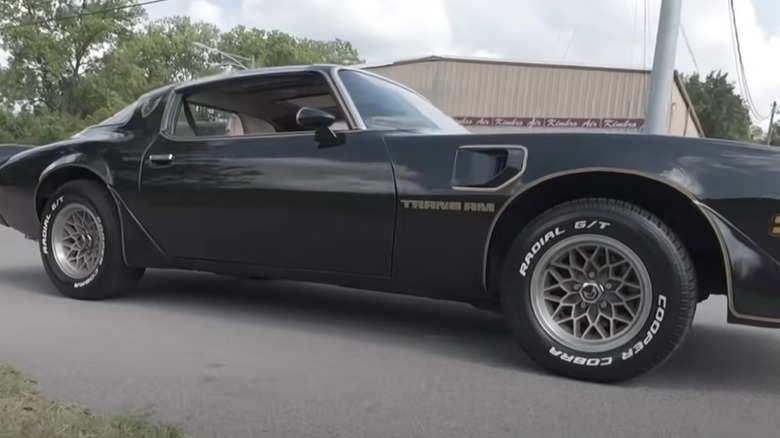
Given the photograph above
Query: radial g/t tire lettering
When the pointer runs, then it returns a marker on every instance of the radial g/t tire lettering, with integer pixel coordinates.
(81, 246)
(598, 290)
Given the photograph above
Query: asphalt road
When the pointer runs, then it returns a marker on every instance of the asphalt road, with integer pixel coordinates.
(233, 358)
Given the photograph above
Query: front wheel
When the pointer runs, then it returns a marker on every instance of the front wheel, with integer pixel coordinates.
(81, 245)
(598, 290)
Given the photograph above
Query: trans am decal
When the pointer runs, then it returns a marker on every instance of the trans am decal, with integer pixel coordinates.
(775, 228)
(479, 207)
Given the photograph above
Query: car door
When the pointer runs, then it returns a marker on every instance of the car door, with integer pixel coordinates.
(281, 199)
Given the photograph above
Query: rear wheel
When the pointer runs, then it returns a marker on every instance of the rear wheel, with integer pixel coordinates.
(81, 245)
(598, 290)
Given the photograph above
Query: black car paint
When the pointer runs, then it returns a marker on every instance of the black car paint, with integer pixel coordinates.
(9, 150)
(291, 207)
(280, 201)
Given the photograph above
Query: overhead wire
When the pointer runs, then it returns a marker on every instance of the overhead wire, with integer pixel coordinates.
(634, 32)
(571, 39)
(741, 75)
(690, 48)
(76, 16)
(644, 44)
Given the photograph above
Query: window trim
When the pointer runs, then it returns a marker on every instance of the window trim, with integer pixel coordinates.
(346, 99)
(175, 102)
(390, 82)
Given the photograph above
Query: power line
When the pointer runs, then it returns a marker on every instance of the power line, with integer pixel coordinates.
(647, 26)
(85, 14)
(634, 32)
(690, 49)
(571, 39)
(741, 75)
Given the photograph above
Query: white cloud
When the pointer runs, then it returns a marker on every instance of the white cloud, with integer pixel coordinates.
(202, 10)
(595, 32)
(708, 29)
(482, 53)
(381, 29)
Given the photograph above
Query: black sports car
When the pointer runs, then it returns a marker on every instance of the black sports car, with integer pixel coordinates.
(597, 247)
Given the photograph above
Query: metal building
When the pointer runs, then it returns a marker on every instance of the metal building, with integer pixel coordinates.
(506, 96)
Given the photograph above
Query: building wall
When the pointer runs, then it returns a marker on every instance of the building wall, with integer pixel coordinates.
(681, 119)
(507, 97)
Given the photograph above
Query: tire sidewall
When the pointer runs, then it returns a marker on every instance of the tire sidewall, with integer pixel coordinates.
(50, 212)
(642, 237)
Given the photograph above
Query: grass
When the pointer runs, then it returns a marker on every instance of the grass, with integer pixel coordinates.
(25, 413)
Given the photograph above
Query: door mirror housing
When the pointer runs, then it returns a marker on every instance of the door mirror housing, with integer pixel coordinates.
(311, 118)
(320, 121)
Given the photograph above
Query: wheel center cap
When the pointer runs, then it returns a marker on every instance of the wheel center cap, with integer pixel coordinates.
(591, 292)
(83, 241)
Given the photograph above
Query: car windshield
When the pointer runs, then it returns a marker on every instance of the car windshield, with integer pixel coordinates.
(384, 105)
(121, 116)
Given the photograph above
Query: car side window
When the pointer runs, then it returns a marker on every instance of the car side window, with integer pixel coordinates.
(263, 105)
(207, 121)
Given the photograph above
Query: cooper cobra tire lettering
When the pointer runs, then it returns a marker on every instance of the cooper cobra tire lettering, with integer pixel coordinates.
(94, 275)
(111, 276)
(651, 332)
(579, 360)
(88, 280)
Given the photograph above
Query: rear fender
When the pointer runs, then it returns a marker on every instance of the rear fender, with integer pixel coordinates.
(97, 166)
(138, 248)
(9, 150)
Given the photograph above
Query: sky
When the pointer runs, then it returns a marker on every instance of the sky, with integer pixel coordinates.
(592, 32)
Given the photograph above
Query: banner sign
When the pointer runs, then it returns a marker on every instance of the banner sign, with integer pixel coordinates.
(553, 122)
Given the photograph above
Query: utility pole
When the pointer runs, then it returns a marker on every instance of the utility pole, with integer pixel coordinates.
(662, 76)
(771, 124)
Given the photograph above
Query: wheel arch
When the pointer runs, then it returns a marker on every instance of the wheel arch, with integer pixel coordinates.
(672, 203)
(56, 175)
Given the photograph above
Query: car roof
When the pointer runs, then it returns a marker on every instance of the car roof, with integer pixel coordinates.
(205, 80)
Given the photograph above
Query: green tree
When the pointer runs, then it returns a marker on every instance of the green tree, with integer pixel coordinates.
(73, 63)
(757, 134)
(55, 45)
(163, 52)
(277, 48)
(723, 112)
(158, 54)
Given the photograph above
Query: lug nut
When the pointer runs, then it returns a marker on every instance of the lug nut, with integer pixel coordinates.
(576, 286)
(609, 285)
(603, 305)
(583, 305)
(591, 275)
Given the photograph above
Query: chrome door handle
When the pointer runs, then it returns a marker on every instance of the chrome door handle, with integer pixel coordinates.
(161, 158)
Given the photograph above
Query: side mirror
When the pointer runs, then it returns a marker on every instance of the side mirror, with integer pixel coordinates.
(315, 119)
(320, 122)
